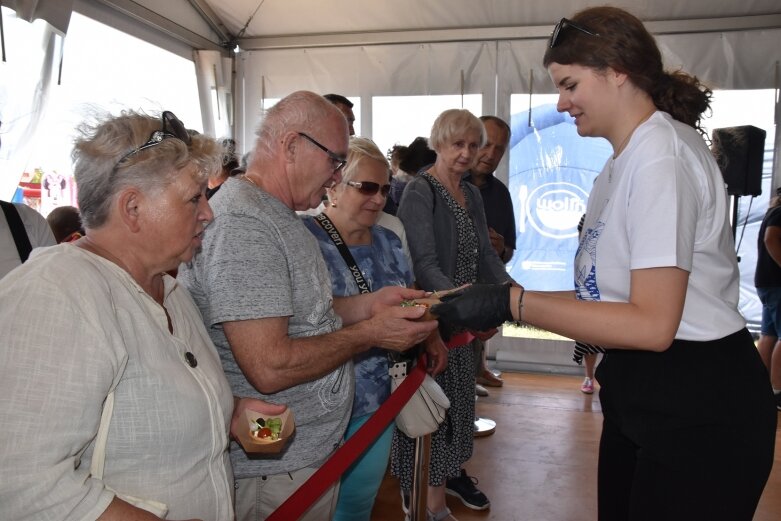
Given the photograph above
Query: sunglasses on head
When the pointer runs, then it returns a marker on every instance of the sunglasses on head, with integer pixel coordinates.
(369, 187)
(337, 161)
(170, 127)
(561, 29)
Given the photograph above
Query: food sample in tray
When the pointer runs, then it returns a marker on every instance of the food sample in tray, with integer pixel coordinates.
(266, 428)
(266, 434)
(427, 303)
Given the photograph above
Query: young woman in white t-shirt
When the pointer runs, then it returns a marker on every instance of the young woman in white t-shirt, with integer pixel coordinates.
(689, 417)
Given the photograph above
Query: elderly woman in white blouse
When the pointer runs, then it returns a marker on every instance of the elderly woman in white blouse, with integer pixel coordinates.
(113, 403)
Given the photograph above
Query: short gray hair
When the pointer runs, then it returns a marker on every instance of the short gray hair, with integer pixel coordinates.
(453, 124)
(301, 111)
(102, 144)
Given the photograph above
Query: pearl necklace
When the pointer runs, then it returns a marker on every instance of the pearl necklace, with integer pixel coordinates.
(623, 144)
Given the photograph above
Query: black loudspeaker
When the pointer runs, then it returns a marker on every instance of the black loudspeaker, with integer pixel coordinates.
(739, 151)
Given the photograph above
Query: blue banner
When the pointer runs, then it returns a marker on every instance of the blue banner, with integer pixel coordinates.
(552, 170)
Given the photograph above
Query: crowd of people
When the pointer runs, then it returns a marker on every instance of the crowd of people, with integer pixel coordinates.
(209, 295)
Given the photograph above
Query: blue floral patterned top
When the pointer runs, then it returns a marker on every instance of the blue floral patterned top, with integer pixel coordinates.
(382, 263)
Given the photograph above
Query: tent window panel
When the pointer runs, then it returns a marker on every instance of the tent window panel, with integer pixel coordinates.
(94, 81)
(400, 119)
(733, 108)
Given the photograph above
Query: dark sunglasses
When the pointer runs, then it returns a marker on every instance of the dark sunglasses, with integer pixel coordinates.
(170, 127)
(369, 187)
(561, 29)
(337, 161)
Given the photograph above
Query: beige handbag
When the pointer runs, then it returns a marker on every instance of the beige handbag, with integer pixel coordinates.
(426, 409)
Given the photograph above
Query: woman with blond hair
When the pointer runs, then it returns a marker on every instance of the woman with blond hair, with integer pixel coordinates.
(374, 258)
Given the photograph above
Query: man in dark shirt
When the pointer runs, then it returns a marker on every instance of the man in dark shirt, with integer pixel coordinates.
(346, 108)
(498, 213)
(496, 197)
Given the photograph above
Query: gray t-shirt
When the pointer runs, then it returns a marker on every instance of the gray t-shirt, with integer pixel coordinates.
(260, 261)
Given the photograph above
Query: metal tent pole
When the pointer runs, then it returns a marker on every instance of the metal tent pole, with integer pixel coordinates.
(417, 503)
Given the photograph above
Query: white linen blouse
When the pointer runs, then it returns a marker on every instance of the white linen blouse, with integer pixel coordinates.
(70, 320)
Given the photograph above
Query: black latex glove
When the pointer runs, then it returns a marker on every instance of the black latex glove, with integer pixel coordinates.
(478, 307)
(446, 330)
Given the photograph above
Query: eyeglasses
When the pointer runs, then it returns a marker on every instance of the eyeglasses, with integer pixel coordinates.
(170, 127)
(337, 161)
(560, 29)
(369, 187)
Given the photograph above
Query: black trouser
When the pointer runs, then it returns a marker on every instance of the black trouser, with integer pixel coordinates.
(688, 434)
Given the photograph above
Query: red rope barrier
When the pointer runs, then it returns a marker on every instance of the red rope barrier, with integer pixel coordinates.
(300, 501)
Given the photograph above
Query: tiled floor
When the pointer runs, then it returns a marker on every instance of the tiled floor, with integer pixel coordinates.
(541, 462)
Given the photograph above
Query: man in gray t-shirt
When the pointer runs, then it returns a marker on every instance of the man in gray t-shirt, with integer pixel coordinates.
(265, 294)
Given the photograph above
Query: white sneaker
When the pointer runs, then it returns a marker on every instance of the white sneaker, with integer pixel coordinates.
(587, 387)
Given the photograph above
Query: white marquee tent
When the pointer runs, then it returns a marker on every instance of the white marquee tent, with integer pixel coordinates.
(248, 51)
(415, 47)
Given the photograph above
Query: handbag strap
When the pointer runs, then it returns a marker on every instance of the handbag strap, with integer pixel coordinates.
(21, 239)
(424, 176)
(363, 284)
(333, 234)
(295, 505)
(99, 454)
(298, 503)
(98, 462)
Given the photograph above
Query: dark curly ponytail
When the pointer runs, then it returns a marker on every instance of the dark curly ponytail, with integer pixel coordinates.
(683, 97)
(619, 40)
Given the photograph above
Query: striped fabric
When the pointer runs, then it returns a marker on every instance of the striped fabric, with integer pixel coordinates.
(582, 349)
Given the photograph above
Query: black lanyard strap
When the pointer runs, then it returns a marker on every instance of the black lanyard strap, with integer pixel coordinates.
(21, 239)
(329, 228)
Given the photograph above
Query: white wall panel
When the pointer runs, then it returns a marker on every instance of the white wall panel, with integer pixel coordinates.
(412, 69)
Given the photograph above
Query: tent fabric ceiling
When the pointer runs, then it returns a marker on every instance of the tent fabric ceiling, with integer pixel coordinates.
(354, 45)
(254, 23)
(266, 25)
(307, 17)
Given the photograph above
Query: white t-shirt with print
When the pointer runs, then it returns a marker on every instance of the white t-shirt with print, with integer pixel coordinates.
(663, 202)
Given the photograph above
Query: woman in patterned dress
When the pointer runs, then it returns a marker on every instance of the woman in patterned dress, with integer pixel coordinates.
(448, 239)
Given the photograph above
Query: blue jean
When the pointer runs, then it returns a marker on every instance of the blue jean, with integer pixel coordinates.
(362, 480)
(771, 311)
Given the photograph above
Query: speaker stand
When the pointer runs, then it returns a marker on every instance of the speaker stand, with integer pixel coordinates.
(735, 202)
